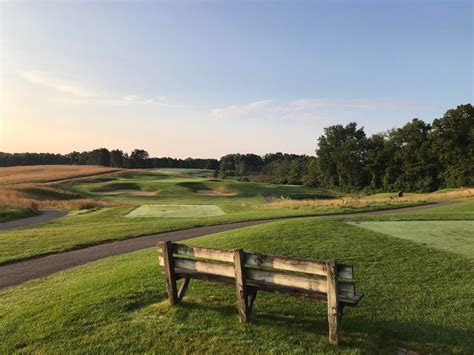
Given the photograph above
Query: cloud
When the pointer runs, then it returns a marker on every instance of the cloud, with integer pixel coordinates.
(358, 104)
(312, 109)
(57, 83)
(242, 110)
(77, 92)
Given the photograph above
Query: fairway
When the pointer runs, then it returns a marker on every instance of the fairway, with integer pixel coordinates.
(453, 236)
(176, 211)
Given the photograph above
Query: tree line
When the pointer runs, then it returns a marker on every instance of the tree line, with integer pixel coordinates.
(116, 158)
(416, 157)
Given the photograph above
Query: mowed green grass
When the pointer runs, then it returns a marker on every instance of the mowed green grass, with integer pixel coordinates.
(416, 297)
(462, 209)
(183, 188)
(452, 236)
(181, 211)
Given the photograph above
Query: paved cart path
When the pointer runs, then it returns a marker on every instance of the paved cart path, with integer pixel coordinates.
(21, 271)
(45, 216)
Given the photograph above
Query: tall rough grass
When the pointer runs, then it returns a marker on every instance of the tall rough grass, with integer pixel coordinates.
(25, 187)
(13, 198)
(48, 173)
(359, 202)
(36, 196)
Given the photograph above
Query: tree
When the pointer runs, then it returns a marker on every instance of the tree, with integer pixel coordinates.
(116, 158)
(452, 139)
(378, 159)
(310, 177)
(413, 167)
(139, 158)
(99, 157)
(342, 155)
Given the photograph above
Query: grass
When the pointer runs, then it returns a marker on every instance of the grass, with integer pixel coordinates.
(184, 172)
(462, 209)
(27, 188)
(10, 213)
(416, 297)
(48, 173)
(95, 226)
(453, 236)
(181, 211)
(387, 199)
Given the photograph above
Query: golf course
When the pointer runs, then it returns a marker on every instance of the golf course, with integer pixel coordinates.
(414, 268)
(236, 177)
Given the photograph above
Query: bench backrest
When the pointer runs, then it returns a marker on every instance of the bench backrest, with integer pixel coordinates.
(295, 276)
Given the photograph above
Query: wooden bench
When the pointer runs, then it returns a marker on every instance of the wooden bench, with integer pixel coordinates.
(324, 281)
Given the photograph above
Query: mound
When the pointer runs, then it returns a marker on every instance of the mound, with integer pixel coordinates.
(129, 192)
(214, 193)
(117, 186)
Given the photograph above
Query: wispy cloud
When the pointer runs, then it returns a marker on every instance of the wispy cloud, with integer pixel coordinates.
(316, 109)
(58, 83)
(79, 92)
(242, 110)
(359, 104)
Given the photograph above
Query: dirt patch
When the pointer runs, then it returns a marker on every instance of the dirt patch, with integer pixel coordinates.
(129, 192)
(214, 193)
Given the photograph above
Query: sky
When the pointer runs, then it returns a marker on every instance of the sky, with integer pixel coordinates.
(208, 78)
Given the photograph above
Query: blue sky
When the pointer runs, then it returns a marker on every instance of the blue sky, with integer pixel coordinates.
(209, 78)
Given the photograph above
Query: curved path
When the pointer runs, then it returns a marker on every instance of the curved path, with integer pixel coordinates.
(45, 216)
(21, 271)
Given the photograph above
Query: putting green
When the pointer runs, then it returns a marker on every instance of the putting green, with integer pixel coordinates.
(163, 211)
(453, 236)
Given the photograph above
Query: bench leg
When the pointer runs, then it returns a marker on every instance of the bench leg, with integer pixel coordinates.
(340, 313)
(241, 285)
(171, 287)
(251, 300)
(183, 288)
(333, 303)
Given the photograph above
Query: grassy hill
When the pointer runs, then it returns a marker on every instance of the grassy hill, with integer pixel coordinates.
(119, 304)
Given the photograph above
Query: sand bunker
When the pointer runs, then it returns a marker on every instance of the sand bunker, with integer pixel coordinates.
(214, 193)
(129, 192)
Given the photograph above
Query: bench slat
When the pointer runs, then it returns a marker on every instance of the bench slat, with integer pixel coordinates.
(277, 278)
(286, 263)
(204, 253)
(205, 267)
(345, 271)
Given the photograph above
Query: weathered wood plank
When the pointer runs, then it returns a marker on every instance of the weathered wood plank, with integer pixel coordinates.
(277, 278)
(204, 253)
(286, 263)
(241, 285)
(205, 267)
(345, 288)
(345, 271)
(168, 263)
(332, 302)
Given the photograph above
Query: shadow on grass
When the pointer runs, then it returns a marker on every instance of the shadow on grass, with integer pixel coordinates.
(355, 330)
